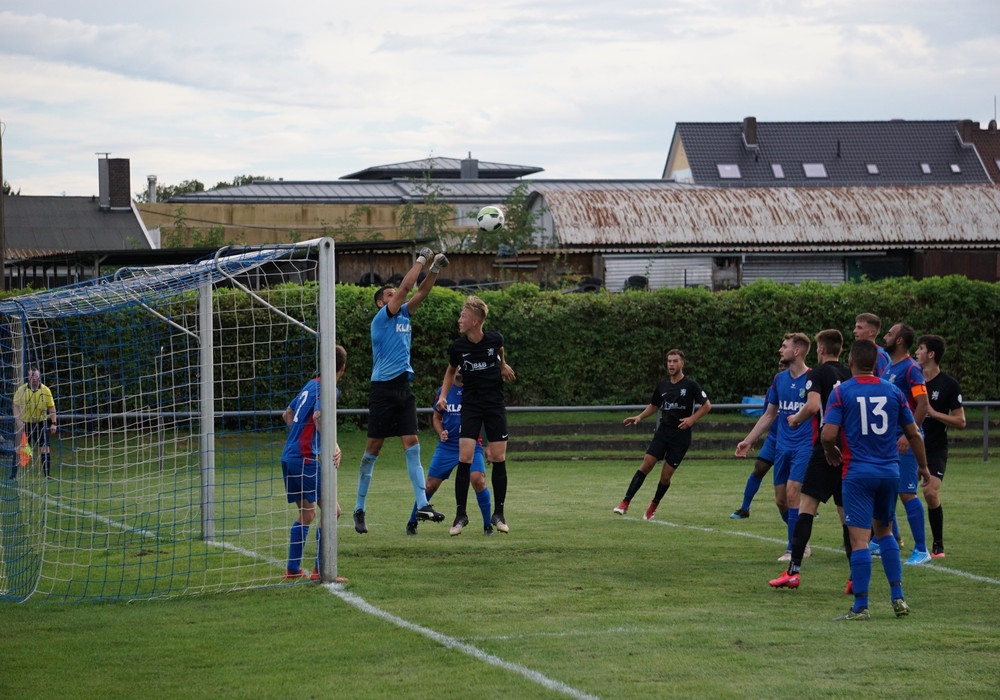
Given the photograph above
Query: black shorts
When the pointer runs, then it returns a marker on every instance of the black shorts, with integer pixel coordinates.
(937, 460)
(392, 409)
(492, 422)
(822, 480)
(37, 433)
(668, 449)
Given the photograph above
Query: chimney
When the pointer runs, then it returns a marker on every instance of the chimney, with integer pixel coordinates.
(966, 128)
(750, 133)
(470, 168)
(151, 189)
(114, 180)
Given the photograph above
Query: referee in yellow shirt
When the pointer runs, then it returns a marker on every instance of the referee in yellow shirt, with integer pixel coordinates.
(32, 405)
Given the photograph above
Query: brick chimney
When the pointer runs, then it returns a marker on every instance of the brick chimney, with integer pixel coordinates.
(966, 128)
(115, 182)
(750, 133)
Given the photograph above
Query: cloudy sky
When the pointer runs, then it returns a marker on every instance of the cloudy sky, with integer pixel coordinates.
(582, 88)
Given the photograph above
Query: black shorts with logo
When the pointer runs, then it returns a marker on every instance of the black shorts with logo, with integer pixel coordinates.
(392, 408)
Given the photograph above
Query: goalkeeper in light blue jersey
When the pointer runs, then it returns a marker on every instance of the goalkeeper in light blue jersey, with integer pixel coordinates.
(392, 407)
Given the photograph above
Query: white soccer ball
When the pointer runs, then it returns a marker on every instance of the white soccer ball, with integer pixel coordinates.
(490, 219)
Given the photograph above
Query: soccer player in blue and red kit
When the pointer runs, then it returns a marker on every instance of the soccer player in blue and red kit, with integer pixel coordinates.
(300, 468)
(906, 374)
(859, 430)
(793, 444)
(681, 402)
(762, 465)
(447, 424)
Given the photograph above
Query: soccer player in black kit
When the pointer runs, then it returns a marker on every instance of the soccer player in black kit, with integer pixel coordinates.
(681, 403)
(479, 356)
(944, 410)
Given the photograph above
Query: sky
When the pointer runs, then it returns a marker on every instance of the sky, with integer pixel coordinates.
(583, 89)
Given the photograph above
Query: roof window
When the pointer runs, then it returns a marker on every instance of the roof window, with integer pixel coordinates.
(925, 168)
(779, 172)
(872, 169)
(955, 168)
(729, 171)
(814, 169)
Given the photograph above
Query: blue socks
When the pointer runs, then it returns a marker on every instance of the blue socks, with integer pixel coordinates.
(483, 499)
(861, 575)
(915, 516)
(892, 565)
(296, 543)
(364, 479)
(416, 473)
(793, 516)
(319, 550)
(752, 487)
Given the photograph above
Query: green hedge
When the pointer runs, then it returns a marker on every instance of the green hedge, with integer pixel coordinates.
(567, 349)
(591, 349)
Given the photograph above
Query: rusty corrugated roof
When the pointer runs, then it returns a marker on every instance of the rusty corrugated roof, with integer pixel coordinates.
(828, 217)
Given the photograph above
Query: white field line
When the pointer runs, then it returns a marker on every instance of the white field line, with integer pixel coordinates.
(366, 607)
(753, 536)
(452, 643)
(477, 653)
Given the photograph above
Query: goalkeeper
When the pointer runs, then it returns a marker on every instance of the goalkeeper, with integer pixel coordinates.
(32, 405)
(392, 407)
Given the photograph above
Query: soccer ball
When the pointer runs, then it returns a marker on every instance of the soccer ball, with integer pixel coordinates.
(490, 219)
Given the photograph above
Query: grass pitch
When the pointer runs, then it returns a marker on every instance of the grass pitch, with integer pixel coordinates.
(574, 602)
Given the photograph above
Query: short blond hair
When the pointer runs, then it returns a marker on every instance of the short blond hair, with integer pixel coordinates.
(476, 306)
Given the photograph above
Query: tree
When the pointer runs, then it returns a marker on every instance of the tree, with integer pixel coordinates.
(520, 224)
(240, 180)
(429, 220)
(351, 227)
(165, 192)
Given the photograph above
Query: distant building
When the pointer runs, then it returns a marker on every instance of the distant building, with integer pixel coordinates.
(52, 241)
(832, 154)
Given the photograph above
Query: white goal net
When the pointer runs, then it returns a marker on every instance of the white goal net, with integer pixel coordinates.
(164, 476)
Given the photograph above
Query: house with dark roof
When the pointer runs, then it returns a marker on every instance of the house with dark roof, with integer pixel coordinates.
(829, 154)
(987, 143)
(52, 241)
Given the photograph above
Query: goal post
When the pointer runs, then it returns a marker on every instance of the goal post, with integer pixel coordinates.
(169, 384)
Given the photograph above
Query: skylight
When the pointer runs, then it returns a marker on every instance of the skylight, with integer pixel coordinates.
(814, 169)
(872, 169)
(779, 172)
(925, 168)
(728, 171)
(955, 168)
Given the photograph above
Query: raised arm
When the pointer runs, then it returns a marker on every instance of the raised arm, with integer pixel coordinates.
(410, 279)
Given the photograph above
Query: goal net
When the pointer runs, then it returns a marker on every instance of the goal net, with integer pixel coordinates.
(164, 475)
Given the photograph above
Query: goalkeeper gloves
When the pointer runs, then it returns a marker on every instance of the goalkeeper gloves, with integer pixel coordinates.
(424, 255)
(440, 261)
